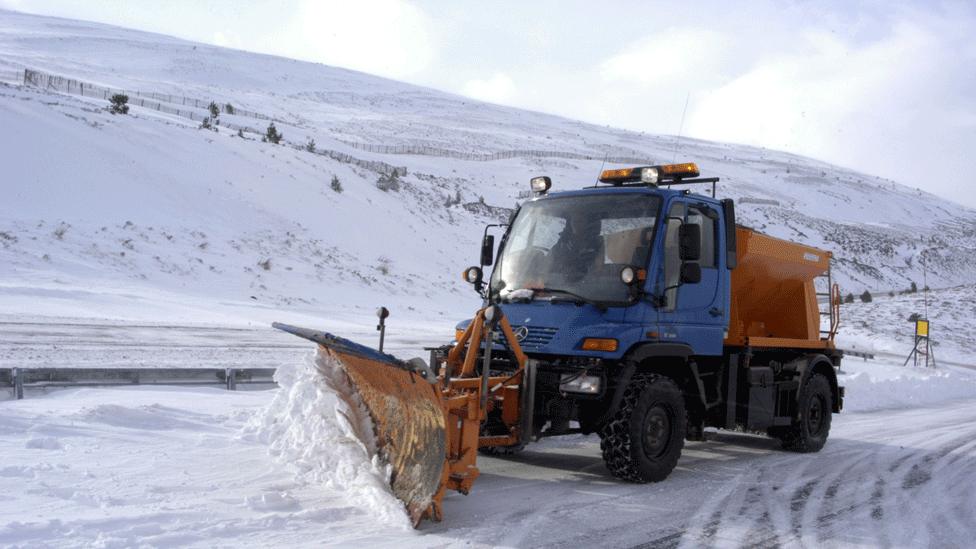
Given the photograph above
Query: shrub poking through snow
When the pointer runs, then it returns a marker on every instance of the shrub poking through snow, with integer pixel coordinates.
(60, 230)
(849, 298)
(240, 133)
(119, 104)
(336, 184)
(214, 110)
(205, 125)
(866, 297)
(228, 108)
(383, 265)
(266, 264)
(310, 145)
(387, 183)
(272, 135)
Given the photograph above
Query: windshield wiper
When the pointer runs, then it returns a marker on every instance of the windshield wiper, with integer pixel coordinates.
(575, 298)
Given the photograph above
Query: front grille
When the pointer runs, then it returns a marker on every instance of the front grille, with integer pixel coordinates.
(537, 337)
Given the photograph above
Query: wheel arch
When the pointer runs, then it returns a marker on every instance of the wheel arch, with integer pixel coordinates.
(821, 364)
(674, 361)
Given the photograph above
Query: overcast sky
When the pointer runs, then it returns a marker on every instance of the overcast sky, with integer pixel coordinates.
(888, 88)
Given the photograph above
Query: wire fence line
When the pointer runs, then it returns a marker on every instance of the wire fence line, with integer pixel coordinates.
(172, 104)
(423, 150)
(184, 108)
(152, 100)
(11, 76)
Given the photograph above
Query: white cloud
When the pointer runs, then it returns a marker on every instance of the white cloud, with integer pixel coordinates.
(499, 88)
(227, 40)
(386, 37)
(669, 57)
(884, 106)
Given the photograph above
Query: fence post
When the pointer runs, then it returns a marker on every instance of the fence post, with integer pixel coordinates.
(231, 376)
(18, 383)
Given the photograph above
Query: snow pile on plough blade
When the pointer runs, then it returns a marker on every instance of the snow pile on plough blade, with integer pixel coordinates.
(406, 412)
(429, 418)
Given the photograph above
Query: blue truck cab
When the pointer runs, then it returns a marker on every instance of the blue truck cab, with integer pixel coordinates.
(620, 295)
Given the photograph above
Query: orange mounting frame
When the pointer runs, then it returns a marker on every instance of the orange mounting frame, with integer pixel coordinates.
(467, 400)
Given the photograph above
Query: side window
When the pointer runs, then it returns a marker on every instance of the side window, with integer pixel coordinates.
(672, 263)
(696, 216)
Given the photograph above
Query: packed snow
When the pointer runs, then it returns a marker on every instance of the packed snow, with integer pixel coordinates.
(317, 424)
(143, 240)
(191, 467)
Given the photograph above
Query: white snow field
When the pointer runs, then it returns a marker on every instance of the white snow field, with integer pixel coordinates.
(161, 467)
(145, 241)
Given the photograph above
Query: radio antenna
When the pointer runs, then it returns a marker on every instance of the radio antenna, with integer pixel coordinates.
(602, 165)
(681, 127)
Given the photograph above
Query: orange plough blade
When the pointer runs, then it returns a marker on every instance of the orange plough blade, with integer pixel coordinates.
(407, 412)
(428, 425)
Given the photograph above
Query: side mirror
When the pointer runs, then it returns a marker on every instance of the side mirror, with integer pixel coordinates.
(690, 273)
(488, 249)
(689, 242)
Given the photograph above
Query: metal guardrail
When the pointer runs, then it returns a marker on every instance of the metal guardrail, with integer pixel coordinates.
(19, 379)
(858, 354)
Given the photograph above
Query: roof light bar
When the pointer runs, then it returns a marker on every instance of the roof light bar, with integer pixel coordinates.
(650, 174)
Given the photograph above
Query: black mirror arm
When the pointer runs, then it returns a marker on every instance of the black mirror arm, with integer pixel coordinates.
(658, 300)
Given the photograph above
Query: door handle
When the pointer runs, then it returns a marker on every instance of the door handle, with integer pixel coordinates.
(715, 311)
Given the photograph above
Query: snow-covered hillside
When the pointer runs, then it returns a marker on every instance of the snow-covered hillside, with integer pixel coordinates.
(99, 207)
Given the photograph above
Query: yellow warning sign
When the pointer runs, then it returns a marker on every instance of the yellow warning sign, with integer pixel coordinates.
(921, 328)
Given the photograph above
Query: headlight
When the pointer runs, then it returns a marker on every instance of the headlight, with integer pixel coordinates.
(579, 383)
(628, 275)
(472, 275)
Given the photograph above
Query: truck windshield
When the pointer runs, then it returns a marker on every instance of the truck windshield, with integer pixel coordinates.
(575, 246)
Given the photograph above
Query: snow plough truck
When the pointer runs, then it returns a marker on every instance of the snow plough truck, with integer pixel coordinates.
(633, 309)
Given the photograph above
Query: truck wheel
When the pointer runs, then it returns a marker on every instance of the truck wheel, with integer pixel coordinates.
(809, 433)
(642, 441)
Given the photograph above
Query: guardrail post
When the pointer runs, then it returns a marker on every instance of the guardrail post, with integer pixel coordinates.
(18, 383)
(231, 377)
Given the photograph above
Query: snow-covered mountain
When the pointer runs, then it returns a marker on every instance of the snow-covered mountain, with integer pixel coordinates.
(149, 208)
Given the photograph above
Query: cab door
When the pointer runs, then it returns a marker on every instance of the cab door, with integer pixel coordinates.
(692, 313)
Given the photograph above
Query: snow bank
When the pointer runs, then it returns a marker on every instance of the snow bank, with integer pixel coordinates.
(317, 424)
(881, 386)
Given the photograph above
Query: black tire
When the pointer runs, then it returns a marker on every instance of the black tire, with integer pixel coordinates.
(809, 433)
(643, 440)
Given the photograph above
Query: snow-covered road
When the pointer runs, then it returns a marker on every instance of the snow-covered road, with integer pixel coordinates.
(76, 342)
(165, 467)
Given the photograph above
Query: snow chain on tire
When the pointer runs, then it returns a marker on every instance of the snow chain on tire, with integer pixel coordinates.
(623, 457)
(798, 437)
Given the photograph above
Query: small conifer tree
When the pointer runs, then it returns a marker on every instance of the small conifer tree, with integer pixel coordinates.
(387, 183)
(272, 135)
(310, 145)
(228, 108)
(866, 297)
(336, 184)
(119, 104)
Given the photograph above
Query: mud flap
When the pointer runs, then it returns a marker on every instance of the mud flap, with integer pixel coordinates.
(407, 415)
